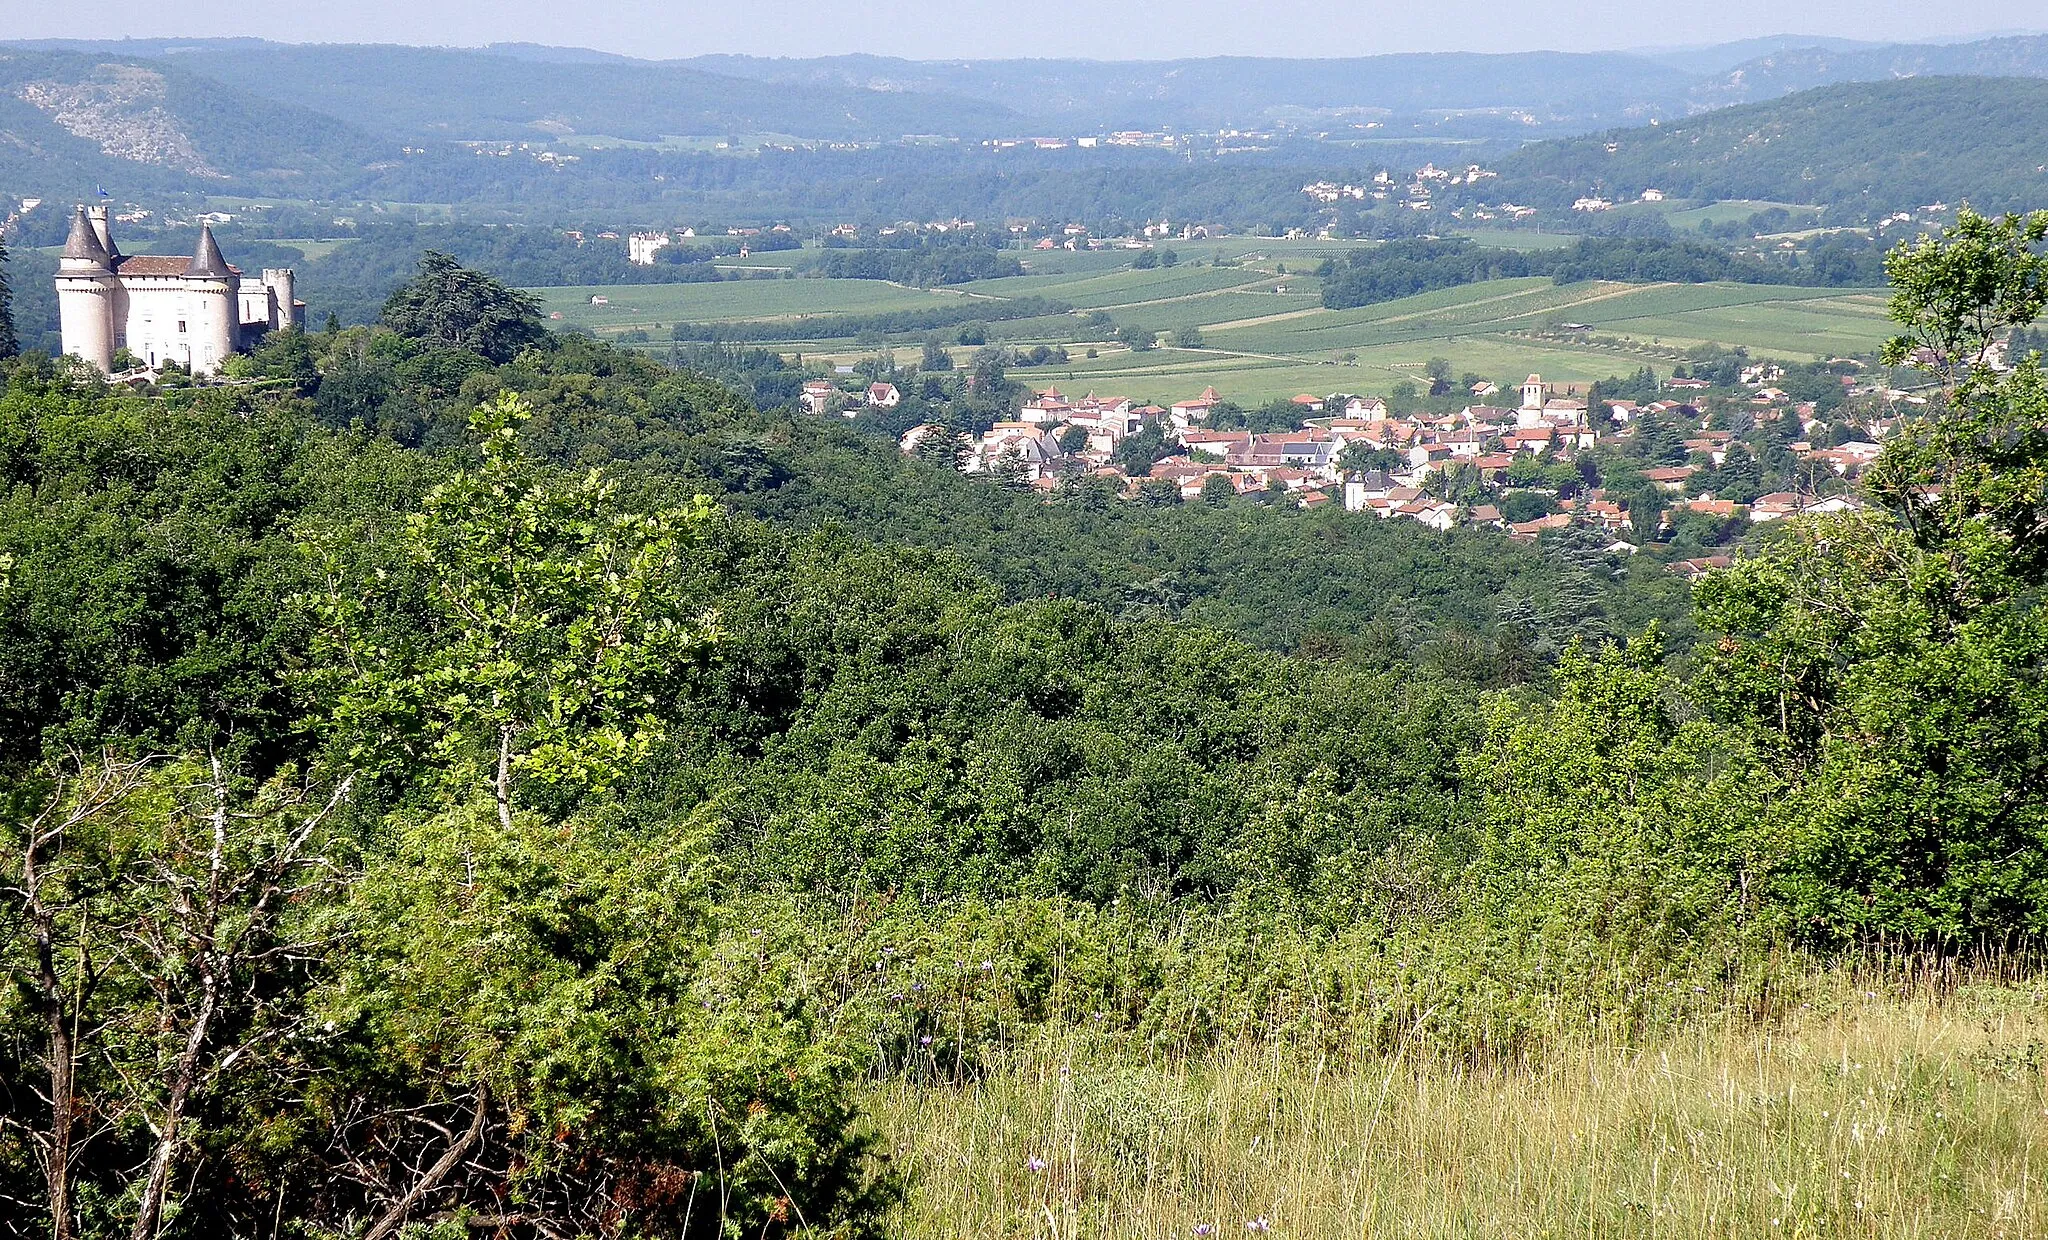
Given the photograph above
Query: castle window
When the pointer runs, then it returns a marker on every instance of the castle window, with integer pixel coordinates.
(181, 325)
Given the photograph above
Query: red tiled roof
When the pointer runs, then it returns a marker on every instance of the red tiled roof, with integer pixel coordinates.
(158, 265)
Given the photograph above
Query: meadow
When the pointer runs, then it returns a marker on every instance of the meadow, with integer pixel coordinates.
(1875, 1108)
(1264, 332)
(644, 305)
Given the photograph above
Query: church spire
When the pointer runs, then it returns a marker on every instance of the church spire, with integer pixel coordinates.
(207, 263)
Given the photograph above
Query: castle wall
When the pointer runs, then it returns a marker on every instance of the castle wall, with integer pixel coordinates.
(256, 305)
(171, 319)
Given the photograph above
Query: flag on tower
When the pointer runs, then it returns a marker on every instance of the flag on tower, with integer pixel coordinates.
(101, 190)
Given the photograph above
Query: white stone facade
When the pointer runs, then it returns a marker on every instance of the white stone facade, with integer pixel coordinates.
(195, 312)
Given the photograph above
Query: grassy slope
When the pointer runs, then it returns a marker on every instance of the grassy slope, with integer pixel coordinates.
(1892, 1112)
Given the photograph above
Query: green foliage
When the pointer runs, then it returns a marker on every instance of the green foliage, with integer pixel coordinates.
(1403, 268)
(164, 927)
(1397, 269)
(1894, 661)
(10, 340)
(538, 619)
(154, 563)
(973, 317)
(1962, 293)
(1863, 149)
(952, 264)
(452, 307)
(608, 1076)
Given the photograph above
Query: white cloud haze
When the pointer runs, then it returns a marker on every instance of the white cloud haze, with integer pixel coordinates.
(985, 28)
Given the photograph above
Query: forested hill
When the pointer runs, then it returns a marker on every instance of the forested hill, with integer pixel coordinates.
(1864, 147)
(467, 779)
(153, 123)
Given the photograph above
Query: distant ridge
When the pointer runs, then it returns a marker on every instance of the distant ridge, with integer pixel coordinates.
(521, 90)
(1864, 148)
(1794, 69)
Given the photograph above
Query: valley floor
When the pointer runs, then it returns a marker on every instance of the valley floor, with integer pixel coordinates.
(1894, 1113)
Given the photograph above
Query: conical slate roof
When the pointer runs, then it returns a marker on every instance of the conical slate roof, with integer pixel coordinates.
(84, 242)
(207, 263)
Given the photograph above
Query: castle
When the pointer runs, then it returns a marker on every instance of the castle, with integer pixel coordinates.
(195, 312)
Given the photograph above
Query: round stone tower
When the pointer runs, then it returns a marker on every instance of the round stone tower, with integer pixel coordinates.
(283, 285)
(210, 299)
(85, 294)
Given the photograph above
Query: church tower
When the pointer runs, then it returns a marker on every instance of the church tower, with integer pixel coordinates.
(86, 294)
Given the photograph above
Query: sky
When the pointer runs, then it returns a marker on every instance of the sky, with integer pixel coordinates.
(980, 29)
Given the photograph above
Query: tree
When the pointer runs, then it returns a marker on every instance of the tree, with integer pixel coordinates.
(935, 356)
(534, 624)
(10, 344)
(450, 306)
(168, 934)
(1359, 457)
(1137, 339)
(944, 447)
(1137, 452)
(1439, 371)
(1520, 506)
(1891, 658)
(1739, 477)
(1159, 493)
(1959, 294)
(590, 1073)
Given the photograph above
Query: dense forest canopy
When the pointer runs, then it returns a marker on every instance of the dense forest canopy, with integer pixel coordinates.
(466, 775)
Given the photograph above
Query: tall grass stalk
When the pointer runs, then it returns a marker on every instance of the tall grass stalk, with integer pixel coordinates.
(1890, 1103)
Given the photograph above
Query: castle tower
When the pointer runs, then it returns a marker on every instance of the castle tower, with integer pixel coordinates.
(85, 293)
(210, 288)
(103, 229)
(283, 286)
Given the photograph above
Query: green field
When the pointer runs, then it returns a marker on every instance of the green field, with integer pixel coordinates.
(1124, 288)
(1689, 216)
(1517, 238)
(739, 301)
(1265, 333)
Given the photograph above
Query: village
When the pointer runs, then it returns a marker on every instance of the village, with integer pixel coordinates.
(1461, 468)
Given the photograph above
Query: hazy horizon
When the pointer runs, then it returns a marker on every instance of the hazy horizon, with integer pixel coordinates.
(979, 29)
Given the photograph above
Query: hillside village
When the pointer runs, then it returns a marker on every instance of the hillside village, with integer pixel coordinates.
(1525, 468)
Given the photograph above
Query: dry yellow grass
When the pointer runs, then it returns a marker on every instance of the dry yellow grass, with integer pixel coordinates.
(1895, 1114)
